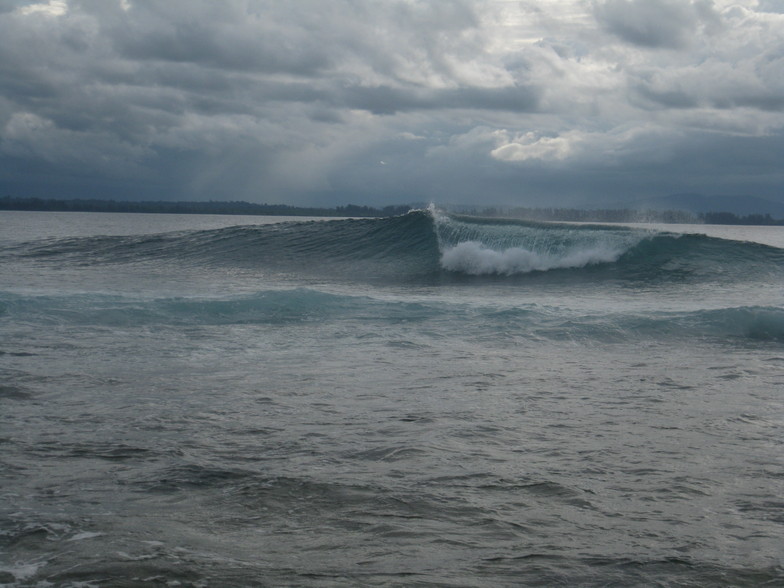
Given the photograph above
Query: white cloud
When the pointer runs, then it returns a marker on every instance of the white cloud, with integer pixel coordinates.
(51, 8)
(531, 146)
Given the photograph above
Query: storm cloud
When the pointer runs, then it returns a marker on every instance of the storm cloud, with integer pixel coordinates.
(567, 102)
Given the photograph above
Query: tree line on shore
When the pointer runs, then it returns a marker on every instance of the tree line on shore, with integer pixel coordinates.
(180, 207)
(628, 216)
(353, 210)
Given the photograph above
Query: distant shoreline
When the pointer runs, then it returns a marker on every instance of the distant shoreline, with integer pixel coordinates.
(353, 210)
(182, 207)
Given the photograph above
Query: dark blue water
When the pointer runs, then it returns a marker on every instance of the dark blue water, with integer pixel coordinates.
(427, 400)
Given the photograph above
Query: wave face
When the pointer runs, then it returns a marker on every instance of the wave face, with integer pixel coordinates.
(429, 244)
(401, 246)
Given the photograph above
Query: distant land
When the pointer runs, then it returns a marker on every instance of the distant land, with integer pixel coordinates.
(181, 207)
(675, 208)
(678, 208)
(700, 203)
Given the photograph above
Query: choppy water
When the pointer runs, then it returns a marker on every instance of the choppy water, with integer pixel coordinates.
(426, 400)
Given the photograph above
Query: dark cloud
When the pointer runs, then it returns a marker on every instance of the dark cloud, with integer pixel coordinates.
(656, 23)
(12, 5)
(388, 100)
(336, 101)
(219, 36)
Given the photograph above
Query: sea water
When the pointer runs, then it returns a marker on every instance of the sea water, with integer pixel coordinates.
(424, 400)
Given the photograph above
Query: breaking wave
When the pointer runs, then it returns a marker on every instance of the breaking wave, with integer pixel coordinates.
(425, 244)
(474, 258)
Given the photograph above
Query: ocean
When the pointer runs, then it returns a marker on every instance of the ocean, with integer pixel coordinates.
(422, 400)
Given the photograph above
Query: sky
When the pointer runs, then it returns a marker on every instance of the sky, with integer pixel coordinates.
(377, 102)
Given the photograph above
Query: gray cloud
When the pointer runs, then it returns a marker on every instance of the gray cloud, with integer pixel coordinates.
(388, 100)
(471, 101)
(657, 23)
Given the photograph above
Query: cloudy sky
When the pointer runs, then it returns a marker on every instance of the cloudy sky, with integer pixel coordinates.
(531, 102)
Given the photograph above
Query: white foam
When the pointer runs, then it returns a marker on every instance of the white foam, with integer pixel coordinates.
(23, 571)
(85, 535)
(473, 258)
